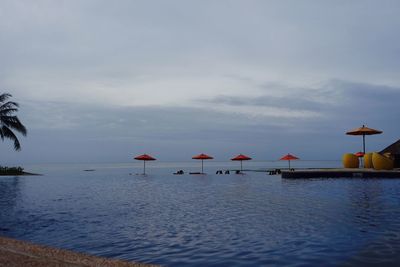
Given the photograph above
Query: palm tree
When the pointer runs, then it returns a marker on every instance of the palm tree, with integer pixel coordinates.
(10, 122)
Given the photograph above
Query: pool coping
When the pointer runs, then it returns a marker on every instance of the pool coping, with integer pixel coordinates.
(340, 173)
(21, 253)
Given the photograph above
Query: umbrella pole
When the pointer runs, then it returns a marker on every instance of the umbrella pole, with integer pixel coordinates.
(144, 167)
(289, 164)
(364, 143)
(241, 166)
(202, 166)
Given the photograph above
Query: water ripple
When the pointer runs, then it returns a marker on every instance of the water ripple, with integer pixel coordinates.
(228, 220)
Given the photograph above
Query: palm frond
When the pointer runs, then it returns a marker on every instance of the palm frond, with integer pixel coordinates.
(9, 104)
(4, 97)
(10, 135)
(8, 122)
(8, 111)
(14, 123)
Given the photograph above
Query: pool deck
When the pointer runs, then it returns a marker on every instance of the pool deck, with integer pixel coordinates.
(339, 173)
(20, 253)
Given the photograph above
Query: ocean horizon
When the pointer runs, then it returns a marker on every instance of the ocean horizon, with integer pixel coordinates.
(210, 166)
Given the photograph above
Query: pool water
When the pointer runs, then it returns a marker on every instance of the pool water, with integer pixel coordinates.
(196, 220)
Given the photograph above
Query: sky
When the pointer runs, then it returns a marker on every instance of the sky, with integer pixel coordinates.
(103, 81)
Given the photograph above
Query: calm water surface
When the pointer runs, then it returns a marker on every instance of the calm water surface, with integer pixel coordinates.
(197, 220)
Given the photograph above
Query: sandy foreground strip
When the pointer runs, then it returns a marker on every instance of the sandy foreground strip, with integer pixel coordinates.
(20, 253)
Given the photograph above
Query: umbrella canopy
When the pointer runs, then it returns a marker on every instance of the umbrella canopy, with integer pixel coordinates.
(202, 157)
(240, 158)
(145, 158)
(289, 157)
(363, 131)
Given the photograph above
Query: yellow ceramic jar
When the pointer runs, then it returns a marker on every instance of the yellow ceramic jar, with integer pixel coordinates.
(381, 162)
(350, 161)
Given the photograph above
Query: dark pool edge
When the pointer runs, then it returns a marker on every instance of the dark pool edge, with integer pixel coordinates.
(21, 253)
(21, 174)
(339, 173)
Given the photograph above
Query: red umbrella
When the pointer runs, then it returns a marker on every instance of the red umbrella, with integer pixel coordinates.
(289, 157)
(145, 158)
(241, 157)
(202, 157)
(359, 154)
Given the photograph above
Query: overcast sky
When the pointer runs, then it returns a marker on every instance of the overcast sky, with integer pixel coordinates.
(102, 81)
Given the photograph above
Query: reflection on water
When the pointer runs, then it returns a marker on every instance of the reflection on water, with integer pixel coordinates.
(366, 204)
(374, 216)
(9, 198)
(195, 220)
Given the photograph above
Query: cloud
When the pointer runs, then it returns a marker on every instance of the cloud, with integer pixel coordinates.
(61, 131)
(132, 53)
(263, 76)
(327, 100)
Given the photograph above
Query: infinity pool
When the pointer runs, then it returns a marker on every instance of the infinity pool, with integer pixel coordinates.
(197, 220)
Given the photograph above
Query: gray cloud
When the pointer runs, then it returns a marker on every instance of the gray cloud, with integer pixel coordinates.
(328, 100)
(95, 38)
(292, 102)
(89, 133)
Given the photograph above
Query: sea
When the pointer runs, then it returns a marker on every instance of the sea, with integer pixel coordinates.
(249, 219)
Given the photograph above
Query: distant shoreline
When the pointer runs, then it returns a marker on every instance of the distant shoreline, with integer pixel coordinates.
(20, 174)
